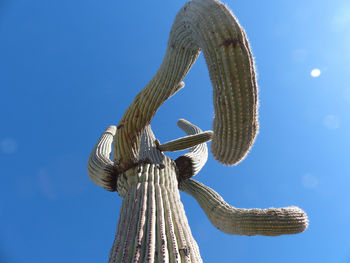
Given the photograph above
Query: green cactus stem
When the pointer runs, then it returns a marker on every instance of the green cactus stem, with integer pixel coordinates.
(189, 164)
(209, 26)
(100, 167)
(250, 222)
(186, 142)
(152, 225)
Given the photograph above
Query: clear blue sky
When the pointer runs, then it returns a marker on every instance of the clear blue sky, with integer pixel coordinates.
(70, 68)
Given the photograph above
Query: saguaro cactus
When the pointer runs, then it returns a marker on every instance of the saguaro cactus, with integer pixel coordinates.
(152, 226)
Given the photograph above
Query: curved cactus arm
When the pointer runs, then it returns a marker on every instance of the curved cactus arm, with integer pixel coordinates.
(231, 220)
(208, 25)
(186, 142)
(192, 162)
(100, 167)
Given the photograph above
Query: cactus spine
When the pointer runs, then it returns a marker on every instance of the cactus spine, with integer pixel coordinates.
(152, 226)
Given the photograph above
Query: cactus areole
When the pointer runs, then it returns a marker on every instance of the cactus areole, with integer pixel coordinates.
(152, 226)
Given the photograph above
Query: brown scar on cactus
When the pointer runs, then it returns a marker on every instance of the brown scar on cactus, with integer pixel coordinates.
(152, 225)
(232, 42)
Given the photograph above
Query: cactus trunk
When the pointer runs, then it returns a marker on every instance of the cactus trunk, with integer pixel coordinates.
(152, 225)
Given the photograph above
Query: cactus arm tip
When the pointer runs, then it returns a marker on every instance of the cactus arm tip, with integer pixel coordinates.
(190, 163)
(100, 168)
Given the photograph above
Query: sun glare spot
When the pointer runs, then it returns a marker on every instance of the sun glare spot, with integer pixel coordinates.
(341, 19)
(8, 146)
(315, 73)
(309, 181)
(346, 94)
(45, 184)
(331, 121)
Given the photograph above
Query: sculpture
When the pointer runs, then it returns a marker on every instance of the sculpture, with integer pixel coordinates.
(153, 226)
